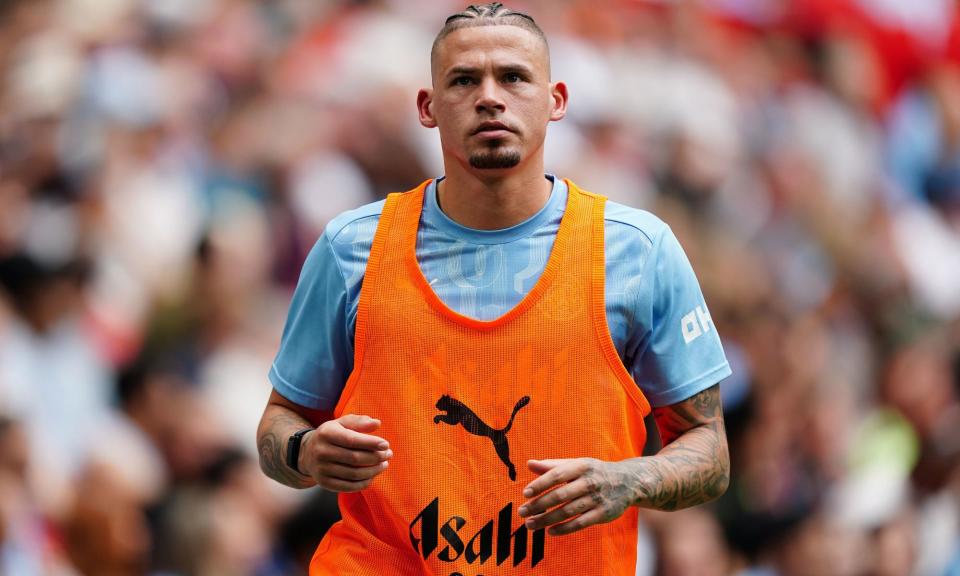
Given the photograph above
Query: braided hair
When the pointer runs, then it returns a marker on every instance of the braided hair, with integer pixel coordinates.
(491, 10)
(492, 14)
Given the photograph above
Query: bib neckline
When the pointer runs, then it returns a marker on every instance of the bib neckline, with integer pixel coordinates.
(546, 278)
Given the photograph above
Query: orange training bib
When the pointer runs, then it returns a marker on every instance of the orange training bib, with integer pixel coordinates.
(465, 403)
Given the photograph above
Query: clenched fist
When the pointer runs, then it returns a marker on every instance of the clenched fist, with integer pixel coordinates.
(342, 455)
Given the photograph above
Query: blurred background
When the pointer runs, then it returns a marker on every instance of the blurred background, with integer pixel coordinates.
(166, 165)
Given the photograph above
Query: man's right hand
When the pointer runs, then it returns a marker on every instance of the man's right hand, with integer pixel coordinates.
(342, 455)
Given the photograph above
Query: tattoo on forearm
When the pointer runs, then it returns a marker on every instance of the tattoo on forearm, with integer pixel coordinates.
(271, 444)
(694, 465)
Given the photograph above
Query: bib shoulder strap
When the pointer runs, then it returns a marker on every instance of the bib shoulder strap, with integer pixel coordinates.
(394, 218)
(598, 273)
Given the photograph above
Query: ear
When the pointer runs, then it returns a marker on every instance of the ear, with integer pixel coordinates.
(558, 92)
(425, 108)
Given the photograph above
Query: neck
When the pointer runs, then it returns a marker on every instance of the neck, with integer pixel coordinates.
(495, 201)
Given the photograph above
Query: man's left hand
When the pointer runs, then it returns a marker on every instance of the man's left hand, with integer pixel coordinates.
(588, 490)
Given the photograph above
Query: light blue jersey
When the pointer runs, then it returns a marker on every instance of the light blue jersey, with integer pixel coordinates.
(655, 310)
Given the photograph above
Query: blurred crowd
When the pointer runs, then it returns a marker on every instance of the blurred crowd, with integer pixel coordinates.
(165, 166)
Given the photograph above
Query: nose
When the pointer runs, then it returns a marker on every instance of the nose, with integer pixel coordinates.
(489, 98)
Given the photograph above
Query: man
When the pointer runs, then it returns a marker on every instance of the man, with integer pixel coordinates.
(473, 401)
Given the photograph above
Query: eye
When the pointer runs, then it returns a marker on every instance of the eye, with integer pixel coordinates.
(462, 81)
(512, 78)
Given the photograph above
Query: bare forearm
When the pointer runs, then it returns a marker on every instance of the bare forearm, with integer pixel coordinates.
(694, 465)
(276, 427)
(692, 470)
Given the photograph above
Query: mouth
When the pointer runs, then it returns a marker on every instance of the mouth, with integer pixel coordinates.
(492, 129)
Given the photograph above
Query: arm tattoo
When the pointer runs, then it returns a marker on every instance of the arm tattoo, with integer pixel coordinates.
(694, 465)
(278, 425)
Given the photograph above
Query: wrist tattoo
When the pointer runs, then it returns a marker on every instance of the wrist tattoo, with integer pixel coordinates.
(273, 449)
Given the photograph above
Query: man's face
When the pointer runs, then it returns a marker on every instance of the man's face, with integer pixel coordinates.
(491, 97)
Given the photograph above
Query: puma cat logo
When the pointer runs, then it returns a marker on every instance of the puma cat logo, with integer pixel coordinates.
(458, 413)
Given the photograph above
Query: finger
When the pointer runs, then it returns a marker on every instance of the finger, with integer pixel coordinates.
(574, 508)
(588, 518)
(337, 485)
(565, 472)
(340, 455)
(543, 466)
(566, 493)
(346, 438)
(359, 422)
(352, 473)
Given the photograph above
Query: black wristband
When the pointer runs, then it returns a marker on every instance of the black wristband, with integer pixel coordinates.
(293, 449)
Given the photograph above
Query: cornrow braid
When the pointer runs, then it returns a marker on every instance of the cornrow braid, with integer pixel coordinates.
(492, 14)
(491, 10)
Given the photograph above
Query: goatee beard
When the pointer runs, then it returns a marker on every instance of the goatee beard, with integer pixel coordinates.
(496, 158)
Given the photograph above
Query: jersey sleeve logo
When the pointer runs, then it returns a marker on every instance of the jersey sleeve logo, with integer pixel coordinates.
(695, 324)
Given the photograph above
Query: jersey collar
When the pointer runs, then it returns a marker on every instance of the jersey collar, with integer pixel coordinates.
(443, 223)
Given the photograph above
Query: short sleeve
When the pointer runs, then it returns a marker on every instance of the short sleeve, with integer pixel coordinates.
(314, 359)
(681, 354)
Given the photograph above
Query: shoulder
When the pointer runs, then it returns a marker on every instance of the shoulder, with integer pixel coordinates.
(345, 243)
(632, 225)
(632, 234)
(635, 223)
(360, 221)
(353, 222)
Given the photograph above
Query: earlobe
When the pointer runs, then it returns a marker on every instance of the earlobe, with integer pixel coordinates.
(425, 108)
(558, 93)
